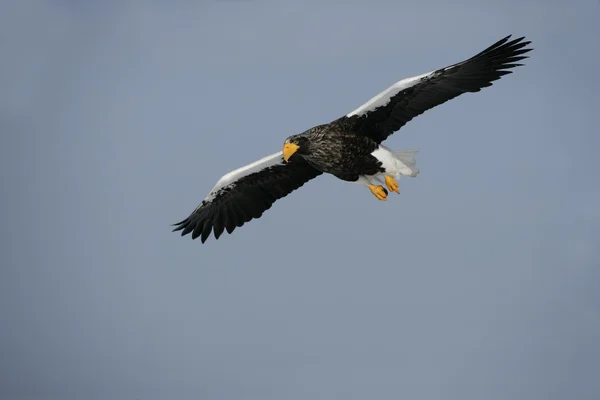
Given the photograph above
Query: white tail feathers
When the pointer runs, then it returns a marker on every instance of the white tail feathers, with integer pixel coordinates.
(396, 163)
(408, 161)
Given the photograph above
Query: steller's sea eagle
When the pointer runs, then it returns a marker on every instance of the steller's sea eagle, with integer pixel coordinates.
(350, 147)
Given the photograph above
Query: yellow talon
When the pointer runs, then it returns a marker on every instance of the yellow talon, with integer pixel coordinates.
(378, 191)
(391, 184)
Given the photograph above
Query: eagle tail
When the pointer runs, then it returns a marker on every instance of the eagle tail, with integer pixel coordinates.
(408, 161)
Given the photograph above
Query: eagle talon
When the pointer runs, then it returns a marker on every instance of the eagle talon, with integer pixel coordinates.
(392, 184)
(379, 192)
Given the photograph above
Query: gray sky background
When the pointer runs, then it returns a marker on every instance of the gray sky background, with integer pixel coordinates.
(480, 281)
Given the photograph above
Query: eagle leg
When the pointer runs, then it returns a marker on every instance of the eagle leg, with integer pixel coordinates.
(391, 184)
(378, 191)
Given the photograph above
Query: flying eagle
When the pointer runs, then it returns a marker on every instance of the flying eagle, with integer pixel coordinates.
(350, 147)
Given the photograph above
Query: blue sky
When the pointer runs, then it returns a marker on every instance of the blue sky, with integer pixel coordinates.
(478, 281)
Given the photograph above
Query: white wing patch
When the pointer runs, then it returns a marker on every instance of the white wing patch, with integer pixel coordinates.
(229, 179)
(384, 97)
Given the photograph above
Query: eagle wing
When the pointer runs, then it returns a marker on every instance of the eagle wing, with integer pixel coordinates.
(394, 107)
(246, 193)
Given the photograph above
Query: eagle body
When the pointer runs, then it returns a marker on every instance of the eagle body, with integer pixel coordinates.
(331, 149)
(350, 147)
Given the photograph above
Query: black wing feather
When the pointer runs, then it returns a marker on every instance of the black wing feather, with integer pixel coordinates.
(247, 198)
(444, 84)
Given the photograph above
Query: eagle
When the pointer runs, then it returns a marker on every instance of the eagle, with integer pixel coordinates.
(349, 148)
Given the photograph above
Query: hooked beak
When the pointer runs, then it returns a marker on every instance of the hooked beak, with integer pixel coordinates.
(288, 150)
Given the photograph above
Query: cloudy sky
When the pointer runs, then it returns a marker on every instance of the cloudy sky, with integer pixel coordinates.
(480, 281)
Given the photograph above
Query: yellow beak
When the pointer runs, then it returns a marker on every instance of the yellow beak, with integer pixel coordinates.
(288, 150)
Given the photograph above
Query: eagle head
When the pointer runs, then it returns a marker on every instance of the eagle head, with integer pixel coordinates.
(295, 144)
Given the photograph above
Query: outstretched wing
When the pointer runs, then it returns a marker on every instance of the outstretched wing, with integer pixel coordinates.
(393, 108)
(246, 193)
